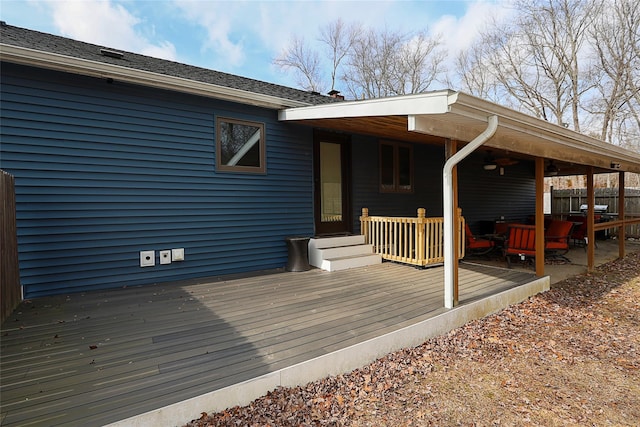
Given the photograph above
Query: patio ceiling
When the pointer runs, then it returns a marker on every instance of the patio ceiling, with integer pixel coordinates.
(432, 117)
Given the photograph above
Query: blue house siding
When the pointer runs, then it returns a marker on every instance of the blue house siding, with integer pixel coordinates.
(511, 195)
(104, 171)
(487, 196)
(428, 162)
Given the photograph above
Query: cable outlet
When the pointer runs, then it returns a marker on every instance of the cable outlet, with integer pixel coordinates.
(165, 257)
(147, 258)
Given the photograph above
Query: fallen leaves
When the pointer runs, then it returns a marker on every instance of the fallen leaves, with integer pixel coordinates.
(565, 357)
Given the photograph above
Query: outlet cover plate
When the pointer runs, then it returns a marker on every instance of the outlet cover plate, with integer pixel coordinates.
(147, 258)
(177, 254)
(165, 257)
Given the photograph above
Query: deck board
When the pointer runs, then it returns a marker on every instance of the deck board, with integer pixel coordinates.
(160, 344)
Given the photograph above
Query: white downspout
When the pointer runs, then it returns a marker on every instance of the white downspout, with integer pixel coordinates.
(450, 258)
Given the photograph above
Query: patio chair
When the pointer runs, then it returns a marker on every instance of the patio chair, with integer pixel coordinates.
(476, 246)
(521, 242)
(579, 232)
(556, 239)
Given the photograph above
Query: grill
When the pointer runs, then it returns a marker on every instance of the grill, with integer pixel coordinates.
(598, 209)
(601, 215)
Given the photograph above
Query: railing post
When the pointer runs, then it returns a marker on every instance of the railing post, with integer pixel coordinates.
(421, 244)
(364, 224)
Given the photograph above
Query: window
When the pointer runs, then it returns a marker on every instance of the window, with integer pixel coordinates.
(396, 167)
(240, 146)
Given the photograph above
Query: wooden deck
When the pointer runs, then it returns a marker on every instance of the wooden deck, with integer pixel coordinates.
(100, 357)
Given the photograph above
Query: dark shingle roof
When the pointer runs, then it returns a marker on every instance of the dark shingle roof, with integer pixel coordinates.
(25, 38)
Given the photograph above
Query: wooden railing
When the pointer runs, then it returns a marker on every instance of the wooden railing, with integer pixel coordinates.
(417, 241)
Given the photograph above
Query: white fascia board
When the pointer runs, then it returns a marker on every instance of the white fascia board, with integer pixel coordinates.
(424, 103)
(86, 67)
(469, 107)
(472, 107)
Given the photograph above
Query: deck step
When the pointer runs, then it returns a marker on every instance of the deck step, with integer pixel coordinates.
(344, 251)
(333, 242)
(344, 263)
(341, 253)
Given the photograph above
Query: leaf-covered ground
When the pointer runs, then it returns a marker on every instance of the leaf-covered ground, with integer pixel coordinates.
(568, 357)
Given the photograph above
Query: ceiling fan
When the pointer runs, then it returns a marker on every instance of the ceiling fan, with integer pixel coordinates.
(491, 163)
(506, 161)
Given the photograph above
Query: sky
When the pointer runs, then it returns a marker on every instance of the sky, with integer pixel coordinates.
(240, 37)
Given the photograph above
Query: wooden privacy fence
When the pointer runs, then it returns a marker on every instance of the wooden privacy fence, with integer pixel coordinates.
(566, 202)
(418, 241)
(10, 292)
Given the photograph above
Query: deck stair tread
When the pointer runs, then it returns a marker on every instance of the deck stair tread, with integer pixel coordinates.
(332, 242)
(341, 253)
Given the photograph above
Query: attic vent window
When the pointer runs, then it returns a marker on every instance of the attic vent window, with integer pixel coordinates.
(112, 53)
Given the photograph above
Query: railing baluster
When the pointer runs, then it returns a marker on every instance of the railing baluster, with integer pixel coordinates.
(417, 241)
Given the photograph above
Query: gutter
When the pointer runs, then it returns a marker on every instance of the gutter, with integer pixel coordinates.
(475, 108)
(450, 257)
(54, 61)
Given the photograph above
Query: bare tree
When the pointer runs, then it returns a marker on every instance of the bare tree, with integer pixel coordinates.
(384, 63)
(514, 69)
(370, 65)
(616, 42)
(557, 31)
(304, 61)
(369, 62)
(572, 62)
(419, 63)
(473, 74)
(339, 39)
(535, 58)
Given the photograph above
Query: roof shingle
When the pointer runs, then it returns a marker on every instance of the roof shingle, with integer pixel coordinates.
(30, 39)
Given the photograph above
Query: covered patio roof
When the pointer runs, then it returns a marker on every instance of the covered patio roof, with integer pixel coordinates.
(435, 116)
(442, 116)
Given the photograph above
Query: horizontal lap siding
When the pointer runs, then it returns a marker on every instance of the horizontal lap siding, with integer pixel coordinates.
(427, 178)
(482, 195)
(487, 195)
(105, 171)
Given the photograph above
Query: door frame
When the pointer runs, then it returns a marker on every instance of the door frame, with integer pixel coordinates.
(346, 225)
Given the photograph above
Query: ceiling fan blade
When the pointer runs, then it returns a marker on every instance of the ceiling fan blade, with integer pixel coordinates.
(506, 161)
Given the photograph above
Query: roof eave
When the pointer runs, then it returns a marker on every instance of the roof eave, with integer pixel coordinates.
(53, 61)
(456, 115)
(465, 105)
(424, 103)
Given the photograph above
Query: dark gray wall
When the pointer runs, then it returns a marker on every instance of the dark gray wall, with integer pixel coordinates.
(428, 161)
(483, 195)
(487, 196)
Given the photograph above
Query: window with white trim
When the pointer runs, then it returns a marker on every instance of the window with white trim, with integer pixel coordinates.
(396, 167)
(240, 146)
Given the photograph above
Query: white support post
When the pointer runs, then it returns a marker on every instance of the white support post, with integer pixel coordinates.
(450, 257)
